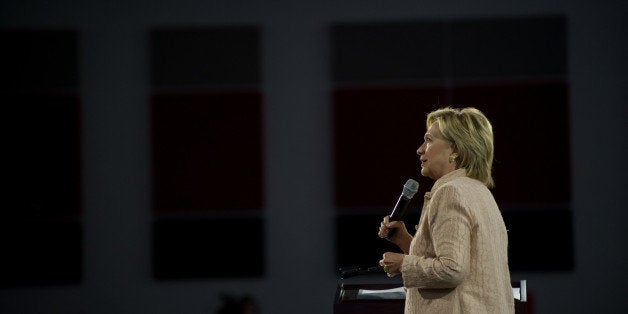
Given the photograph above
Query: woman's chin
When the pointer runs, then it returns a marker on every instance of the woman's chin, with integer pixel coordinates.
(424, 172)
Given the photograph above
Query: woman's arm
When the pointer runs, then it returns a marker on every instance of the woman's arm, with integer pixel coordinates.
(450, 227)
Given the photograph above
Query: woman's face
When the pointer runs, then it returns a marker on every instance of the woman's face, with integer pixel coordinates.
(434, 154)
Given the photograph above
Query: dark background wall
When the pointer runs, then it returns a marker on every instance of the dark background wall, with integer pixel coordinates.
(116, 176)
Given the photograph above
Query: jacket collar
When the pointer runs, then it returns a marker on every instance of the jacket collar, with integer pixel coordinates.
(458, 173)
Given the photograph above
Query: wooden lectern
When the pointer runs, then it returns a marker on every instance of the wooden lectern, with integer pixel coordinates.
(347, 300)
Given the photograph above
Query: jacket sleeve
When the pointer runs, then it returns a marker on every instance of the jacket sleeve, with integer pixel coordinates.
(450, 226)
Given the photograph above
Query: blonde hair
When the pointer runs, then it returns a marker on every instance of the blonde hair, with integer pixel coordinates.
(472, 136)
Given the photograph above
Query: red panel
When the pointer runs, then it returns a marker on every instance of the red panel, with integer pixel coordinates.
(378, 130)
(376, 133)
(207, 152)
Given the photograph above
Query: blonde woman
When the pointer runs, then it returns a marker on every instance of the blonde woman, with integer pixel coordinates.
(457, 261)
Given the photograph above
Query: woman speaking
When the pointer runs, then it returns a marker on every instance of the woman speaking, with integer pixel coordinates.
(457, 261)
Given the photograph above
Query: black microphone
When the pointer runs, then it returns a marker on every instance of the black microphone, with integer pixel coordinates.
(360, 270)
(409, 189)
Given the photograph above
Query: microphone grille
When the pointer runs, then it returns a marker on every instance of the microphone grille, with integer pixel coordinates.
(410, 188)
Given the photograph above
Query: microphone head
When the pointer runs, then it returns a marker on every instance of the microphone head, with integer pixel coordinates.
(410, 188)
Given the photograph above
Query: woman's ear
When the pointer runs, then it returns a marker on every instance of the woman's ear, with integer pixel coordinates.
(454, 149)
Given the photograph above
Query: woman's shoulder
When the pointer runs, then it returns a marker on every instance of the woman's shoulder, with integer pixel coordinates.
(463, 187)
(462, 182)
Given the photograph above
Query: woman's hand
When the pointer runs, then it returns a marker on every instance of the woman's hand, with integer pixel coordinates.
(392, 263)
(395, 232)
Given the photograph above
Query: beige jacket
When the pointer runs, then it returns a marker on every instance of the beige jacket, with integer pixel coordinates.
(458, 259)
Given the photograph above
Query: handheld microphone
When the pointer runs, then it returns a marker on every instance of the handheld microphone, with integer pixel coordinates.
(409, 189)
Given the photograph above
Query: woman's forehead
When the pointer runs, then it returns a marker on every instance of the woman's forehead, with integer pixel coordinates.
(433, 130)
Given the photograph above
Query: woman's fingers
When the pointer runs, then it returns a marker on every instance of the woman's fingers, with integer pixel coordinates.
(383, 229)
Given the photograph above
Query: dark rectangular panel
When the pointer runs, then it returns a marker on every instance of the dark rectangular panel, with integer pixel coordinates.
(376, 135)
(207, 152)
(38, 60)
(41, 168)
(205, 57)
(40, 230)
(509, 47)
(532, 165)
(205, 248)
(540, 239)
(372, 52)
(40, 252)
